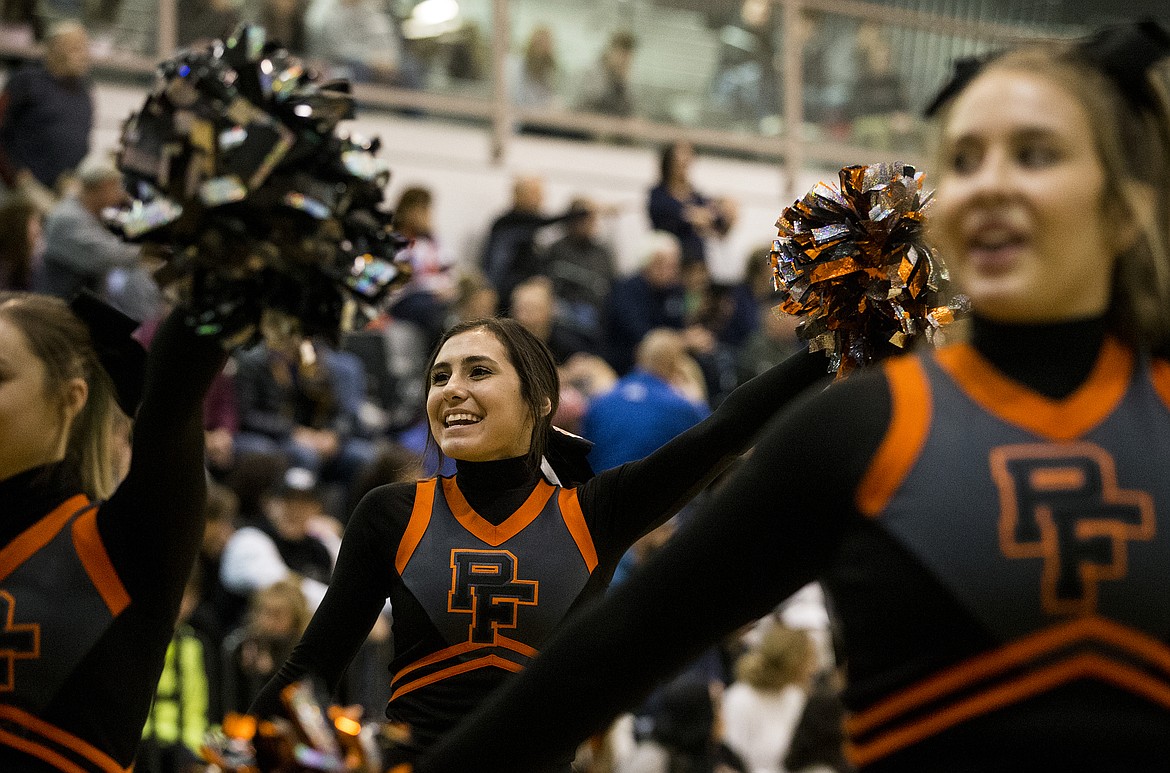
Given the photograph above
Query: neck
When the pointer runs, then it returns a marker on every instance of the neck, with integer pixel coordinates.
(496, 489)
(1052, 358)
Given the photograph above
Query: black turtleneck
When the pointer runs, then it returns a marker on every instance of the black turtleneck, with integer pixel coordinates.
(781, 521)
(151, 528)
(618, 505)
(1052, 358)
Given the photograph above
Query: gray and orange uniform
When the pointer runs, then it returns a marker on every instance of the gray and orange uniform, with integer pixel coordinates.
(481, 567)
(491, 610)
(990, 522)
(89, 592)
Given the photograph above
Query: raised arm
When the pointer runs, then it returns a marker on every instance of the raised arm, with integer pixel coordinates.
(152, 525)
(774, 527)
(629, 500)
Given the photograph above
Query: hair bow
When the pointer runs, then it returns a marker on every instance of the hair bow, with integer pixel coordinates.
(120, 355)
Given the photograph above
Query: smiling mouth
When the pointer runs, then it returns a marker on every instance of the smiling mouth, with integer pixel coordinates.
(461, 420)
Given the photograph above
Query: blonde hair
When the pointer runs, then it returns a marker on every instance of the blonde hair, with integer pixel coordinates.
(1133, 146)
(62, 343)
(780, 659)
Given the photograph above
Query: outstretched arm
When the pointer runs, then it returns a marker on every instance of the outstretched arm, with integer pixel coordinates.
(629, 500)
(773, 528)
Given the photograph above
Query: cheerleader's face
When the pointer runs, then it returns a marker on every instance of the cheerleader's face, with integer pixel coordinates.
(1019, 209)
(474, 404)
(34, 423)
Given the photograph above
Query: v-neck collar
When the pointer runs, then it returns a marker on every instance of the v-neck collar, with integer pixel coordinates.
(485, 530)
(1065, 418)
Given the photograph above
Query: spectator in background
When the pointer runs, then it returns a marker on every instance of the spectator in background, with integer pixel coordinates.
(46, 115)
(686, 734)
(676, 207)
(188, 689)
(21, 242)
(81, 253)
(653, 297)
(880, 108)
(290, 403)
(605, 88)
(761, 709)
(510, 253)
(284, 20)
(652, 404)
(277, 616)
(202, 21)
(426, 299)
(356, 39)
(774, 341)
(536, 77)
(534, 306)
(475, 298)
(747, 83)
(581, 268)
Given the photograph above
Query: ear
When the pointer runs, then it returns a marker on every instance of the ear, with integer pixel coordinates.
(1135, 215)
(76, 393)
(546, 408)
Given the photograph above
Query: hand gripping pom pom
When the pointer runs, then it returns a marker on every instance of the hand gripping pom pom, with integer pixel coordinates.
(242, 183)
(851, 262)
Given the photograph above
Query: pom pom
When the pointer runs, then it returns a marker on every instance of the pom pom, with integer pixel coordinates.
(851, 262)
(243, 185)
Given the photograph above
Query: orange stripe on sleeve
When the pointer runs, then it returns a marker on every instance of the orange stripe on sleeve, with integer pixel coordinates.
(96, 561)
(420, 518)
(910, 410)
(575, 520)
(39, 534)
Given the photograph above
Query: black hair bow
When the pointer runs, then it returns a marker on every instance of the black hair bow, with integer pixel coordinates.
(1123, 53)
(568, 455)
(120, 355)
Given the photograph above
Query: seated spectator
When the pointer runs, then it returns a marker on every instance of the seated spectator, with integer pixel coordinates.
(277, 616)
(685, 735)
(605, 88)
(426, 299)
(202, 21)
(284, 21)
(648, 406)
(653, 297)
(534, 306)
(475, 298)
(21, 242)
(356, 40)
(291, 401)
(774, 341)
(762, 707)
(581, 268)
(218, 610)
(80, 252)
(186, 702)
(818, 743)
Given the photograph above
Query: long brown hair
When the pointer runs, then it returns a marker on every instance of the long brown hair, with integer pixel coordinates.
(535, 366)
(1133, 145)
(62, 343)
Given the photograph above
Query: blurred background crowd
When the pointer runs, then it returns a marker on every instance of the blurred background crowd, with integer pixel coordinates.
(654, 294)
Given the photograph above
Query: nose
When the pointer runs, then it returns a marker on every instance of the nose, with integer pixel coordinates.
(994, 178)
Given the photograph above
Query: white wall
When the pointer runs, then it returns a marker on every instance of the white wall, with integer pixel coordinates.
(454, 160)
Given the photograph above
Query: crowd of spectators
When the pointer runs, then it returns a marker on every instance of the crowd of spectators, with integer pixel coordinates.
(299, 428)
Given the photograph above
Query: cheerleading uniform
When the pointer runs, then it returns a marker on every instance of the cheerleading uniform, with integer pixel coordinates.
(90, 592)
(482, 566)
(986, 521)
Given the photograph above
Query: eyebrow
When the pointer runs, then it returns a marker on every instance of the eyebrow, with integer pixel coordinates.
(1027, 133)
(471, 359)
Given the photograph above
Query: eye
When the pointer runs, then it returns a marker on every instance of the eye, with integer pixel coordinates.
(438, 377)
(1037, 155)
(479, 371)
(965, 160)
